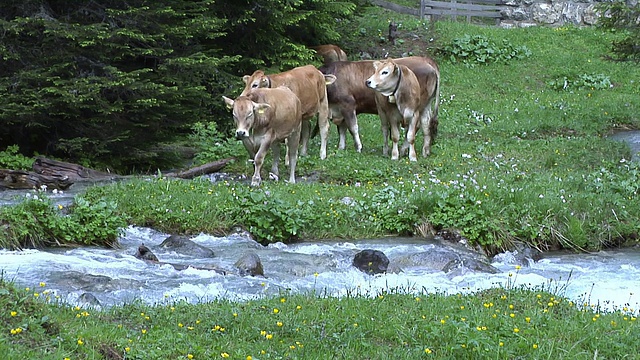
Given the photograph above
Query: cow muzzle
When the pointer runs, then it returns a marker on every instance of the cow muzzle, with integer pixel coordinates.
(241, 134)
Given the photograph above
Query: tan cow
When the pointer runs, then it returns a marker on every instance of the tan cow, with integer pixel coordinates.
(349, 95)
(264, 118)
(310, 86)
(330, 53)
(400, 103)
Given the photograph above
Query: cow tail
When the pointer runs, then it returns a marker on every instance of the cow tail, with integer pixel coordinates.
(433, 124)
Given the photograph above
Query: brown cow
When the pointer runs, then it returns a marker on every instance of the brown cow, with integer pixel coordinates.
(309, 85)
(349, 95)
(330, 53)
(400, 103)
(264, 118)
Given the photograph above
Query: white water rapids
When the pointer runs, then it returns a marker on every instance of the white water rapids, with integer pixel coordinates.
(610, 280)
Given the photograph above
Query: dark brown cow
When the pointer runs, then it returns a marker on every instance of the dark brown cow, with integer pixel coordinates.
(401, 103)
(309, 85)
(349, 95)
(264, 118)
(330, 53)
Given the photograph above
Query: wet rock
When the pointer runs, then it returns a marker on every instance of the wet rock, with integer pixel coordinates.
(144, 253)
(522, 256)
(249, 264)
(371, 261)
(459, 267)
(92, 283)
(447, 257)
(88, 299)
(183, 245)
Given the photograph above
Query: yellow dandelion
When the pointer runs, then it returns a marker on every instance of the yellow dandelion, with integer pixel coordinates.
(527, 319)
(428, 351)
(127, 349)
(269, 336)
(263, 333)
(283, 300)
(189, 356)
(14, 313)
(224, 355)
(279, 323)
(516, 330)
(80, 342)
(249, 357)
(275, 311)
(144, 331)
(42, 284)
(535, 346)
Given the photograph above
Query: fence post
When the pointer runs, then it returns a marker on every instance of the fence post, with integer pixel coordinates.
(454, 17)
(421, 10)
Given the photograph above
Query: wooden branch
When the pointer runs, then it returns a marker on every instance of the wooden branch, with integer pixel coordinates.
(207, 168)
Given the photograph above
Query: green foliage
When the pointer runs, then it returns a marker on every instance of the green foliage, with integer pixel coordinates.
(10, 158)
(511, 321)
(622, 16)
(582, 82)
(116, 83)
(211, 144)
(478, 49)
(268, 217)
(37, 222)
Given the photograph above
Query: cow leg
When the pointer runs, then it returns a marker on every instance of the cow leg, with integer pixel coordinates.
(259, 160)
(275, 153)
(324, 126)
(385, 126)
(410, 118)
(293, 154)
(305, 134)
(351, 120)
(426, 120)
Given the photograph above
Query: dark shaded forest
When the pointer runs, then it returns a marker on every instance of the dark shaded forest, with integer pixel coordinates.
(120, 84)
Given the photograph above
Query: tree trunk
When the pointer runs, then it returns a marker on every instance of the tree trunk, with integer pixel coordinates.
(207, 168)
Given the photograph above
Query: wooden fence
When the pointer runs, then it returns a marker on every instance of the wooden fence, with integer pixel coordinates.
(453, 8)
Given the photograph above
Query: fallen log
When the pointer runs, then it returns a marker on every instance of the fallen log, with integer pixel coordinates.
(20, 179)
(74, 172)
(207, 168)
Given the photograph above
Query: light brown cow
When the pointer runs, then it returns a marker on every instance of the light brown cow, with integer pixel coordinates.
(330, 53)
(310, 86)
(349, 95)
(264, 118)
(400, 103)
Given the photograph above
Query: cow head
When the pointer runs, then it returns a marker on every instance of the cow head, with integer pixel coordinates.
(386, 77)
(256, 80)
(245, 112)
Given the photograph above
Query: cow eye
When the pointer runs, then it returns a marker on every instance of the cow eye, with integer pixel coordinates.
(385, 72)
(254, 85)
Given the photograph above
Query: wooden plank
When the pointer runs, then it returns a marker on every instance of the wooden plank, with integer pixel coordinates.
(485, 2)
(441, 5)
(462, 13)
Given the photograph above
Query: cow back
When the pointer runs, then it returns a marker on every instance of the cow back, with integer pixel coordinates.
(306, 82)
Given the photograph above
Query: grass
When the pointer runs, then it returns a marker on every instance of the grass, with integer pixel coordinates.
(522, 155)
(503, 323)
(519, 157)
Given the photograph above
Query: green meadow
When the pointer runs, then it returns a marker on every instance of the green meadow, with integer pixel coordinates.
(522, 155)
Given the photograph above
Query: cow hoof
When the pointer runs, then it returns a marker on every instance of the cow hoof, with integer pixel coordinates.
(273, 176)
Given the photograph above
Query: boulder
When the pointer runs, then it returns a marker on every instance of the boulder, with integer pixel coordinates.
(183, 245)
(249, 264)
(371, 261)
(144, 253)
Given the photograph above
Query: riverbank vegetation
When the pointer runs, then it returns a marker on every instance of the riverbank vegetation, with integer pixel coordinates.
(502, 323)
(521, 155)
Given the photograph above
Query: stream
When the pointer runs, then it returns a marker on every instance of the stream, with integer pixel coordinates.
(608, 279)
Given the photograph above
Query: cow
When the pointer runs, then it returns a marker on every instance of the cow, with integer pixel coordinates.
(349, 95)
(264, 118)
(330, 53)
(400, 103)
(310, 86)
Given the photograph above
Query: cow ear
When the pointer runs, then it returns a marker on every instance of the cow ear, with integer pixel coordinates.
(228, 101)
(260, 108)
(246, 79)
(329, 79)
(377, 64)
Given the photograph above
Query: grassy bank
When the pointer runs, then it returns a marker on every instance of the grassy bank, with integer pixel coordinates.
(502, 323)
(522, 155)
